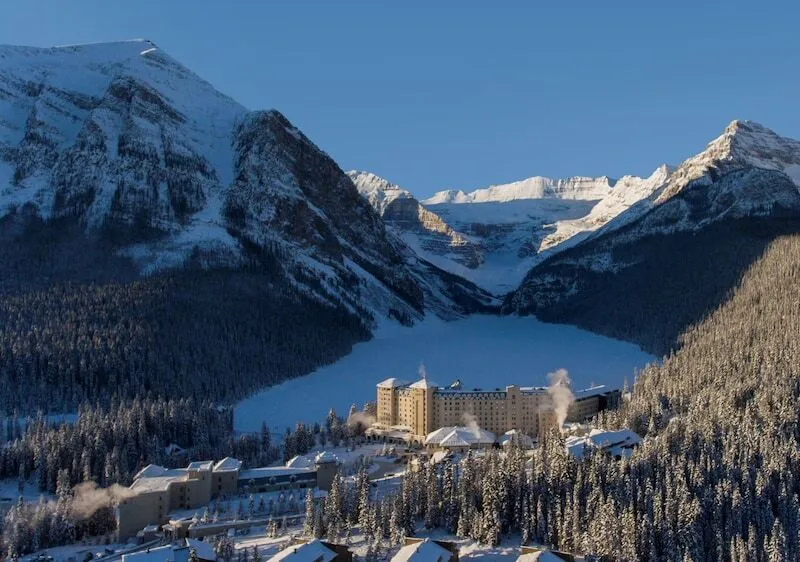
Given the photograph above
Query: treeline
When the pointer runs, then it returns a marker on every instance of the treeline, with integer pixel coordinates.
(203, 334)
(79, 325)
(110, 445)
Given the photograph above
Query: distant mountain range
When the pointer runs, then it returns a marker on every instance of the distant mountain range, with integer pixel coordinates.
(635, 258)
(121, 171)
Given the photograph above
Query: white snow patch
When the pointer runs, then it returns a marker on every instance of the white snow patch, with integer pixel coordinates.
(482, 351)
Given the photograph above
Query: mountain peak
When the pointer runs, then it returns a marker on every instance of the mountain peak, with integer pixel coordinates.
(743, 144)
(748, 142)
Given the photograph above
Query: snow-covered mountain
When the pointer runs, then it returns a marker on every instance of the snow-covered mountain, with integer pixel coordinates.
(668, 260)
(422, 230)
(120, 136)
(510, 228)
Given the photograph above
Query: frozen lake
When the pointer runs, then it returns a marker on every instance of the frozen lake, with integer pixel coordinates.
(482, 351)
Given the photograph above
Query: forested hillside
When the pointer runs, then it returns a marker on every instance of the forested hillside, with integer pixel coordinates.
(77, 325)
(717, 477)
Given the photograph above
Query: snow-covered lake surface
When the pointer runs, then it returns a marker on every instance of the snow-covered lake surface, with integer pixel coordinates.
(482, 351)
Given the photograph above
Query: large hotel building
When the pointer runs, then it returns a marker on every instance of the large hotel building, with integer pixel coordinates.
(423, 407)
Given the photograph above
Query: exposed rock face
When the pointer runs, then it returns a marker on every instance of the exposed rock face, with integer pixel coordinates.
(121, 138)
(418, 226)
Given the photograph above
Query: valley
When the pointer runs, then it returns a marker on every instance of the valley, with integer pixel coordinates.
(197, 304)
(481, 351)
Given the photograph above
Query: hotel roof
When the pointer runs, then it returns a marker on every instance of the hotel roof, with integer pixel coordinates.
(312, 551)
(424, 383)
(459, 437)
(228, 464)
(423, 551)
(276, 471)
(392, 383)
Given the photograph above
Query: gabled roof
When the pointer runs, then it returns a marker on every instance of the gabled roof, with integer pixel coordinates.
(228, 464)
(424, 383)
(459, 437)
(299, 461)
(150, 471)
(392, 383)
(517, 437)
(423, 551)
(312, 551)
(204, 549)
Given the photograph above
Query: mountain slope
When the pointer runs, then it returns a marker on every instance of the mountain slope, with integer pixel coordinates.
(116, 162)
(493, 236)
(418, 227)
(664, 269)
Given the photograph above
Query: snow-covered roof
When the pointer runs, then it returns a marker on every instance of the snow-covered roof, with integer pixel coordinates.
(155, 478)
(200, 465)
(606, 439)
(228, 464)
(617, 443)
(158, 483)
(424, 383)
(326, 456)
(392, 383)
(541, 556)
(204, 550)
(167, 553)
(459, 437)
(516, 436)
(270, 471)
(299, 461)
(423, 551)
(150, 471)
(592, 391)
(312, 551)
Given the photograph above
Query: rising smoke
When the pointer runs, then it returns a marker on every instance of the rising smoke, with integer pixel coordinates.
(560, 394)
(360, 418)
(469, 421)
(88, 498)
(423, 374)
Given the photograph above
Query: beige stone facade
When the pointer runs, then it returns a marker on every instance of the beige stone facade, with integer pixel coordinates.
(424, 407)
(156, 491)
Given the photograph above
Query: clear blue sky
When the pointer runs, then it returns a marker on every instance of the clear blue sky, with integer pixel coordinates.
(435, 95)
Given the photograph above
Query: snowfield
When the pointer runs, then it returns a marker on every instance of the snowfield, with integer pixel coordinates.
(482, 351)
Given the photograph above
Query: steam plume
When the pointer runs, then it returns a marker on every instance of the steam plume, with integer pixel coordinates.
(88, 498)
(423, 374)
(468, 420)
(363, 418)
(560, 394)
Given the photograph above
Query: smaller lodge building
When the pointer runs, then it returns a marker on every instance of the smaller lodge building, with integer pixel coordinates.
(156, 491)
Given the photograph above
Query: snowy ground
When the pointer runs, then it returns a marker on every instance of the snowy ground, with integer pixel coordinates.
(482, 351)
(9, 491)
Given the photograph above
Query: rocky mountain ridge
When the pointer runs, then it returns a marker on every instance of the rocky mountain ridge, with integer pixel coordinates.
(122, 137)
(649, 277)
